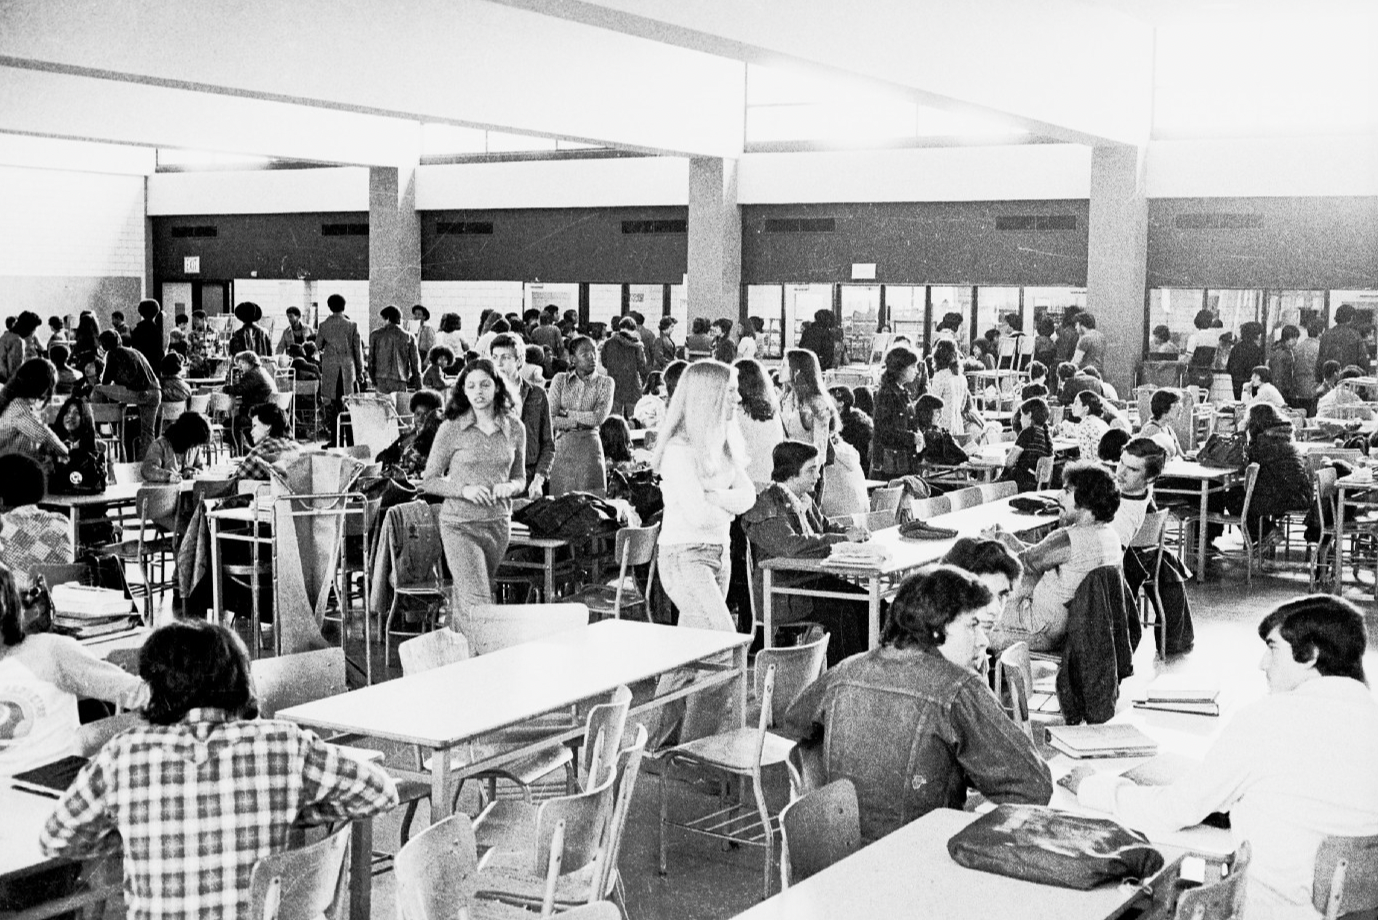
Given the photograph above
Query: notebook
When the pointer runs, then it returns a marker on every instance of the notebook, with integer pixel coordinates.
(51, 779)
(1082, 741)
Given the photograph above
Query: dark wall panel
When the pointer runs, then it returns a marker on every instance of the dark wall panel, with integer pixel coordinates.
(1296, 243)
(915, 243)
(555, 245)
(276, 246)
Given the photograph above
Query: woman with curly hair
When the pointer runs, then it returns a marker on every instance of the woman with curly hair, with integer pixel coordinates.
(759, 419)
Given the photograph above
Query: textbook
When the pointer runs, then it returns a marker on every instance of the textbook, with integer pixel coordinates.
(82, 627)
(1190, 707)
(1082, 741)
(1172, 688)
(87, 602)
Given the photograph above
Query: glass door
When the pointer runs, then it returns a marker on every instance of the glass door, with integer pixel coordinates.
(766, 302)
(860, 319)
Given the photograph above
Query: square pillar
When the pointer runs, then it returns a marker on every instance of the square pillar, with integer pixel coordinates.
(1117, 258)
(394, 241)
(715, 240)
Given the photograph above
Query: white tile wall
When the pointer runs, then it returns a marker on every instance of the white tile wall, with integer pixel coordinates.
(274, 297)
(605, 303)
(355, 294)
(469, 299)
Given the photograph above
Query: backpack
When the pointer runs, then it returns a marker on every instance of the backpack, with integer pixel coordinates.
(82, 473)
(572, 516)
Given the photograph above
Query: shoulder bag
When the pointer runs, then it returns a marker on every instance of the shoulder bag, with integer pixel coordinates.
(1223, 453)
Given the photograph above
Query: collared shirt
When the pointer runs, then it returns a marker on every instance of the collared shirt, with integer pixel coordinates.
(257, 462)
(22, 430)
(467, 456)
(1290, 769)
(912, 730)
(196, 804)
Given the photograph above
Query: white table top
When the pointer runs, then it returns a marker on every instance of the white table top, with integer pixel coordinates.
(997, 452)
(25, 814)
(445, 706)
(909, 874)
(1190, 469)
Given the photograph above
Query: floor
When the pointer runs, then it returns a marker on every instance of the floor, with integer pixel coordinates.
(706, 881)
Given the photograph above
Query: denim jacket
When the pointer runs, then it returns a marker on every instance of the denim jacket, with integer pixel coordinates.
(912, 730)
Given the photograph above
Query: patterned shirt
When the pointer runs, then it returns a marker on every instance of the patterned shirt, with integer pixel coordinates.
(31, 537)
(257, 462)
(196, 804)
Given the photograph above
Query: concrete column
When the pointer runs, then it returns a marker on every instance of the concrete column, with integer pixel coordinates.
(394, 241)
(715, 239)
(1117, 258)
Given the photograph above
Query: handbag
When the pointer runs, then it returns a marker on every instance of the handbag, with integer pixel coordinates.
(571, 516)
(1223, 453)
(1040, 844)
(639, 487)
(940, 447)
(895, 462)
(82, 473)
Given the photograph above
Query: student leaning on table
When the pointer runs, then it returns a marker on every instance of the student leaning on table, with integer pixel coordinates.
(912, 724)
(477, 463)
(206, 789)
(1290, 769)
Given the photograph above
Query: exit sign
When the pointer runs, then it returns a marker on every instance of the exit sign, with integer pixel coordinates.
(191, 265)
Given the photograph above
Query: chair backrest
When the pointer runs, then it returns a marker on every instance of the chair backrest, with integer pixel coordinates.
(818, 830)
(1014, 677)
(305, 882)
(603, 732)
(498, 626)
(1250, 477)
(301, 677)
(1151, 530)
(91, 736)
(628, 769)
(170, 411)
(806, 766)
(306, 387)
(199, 402)
(1223, 900)
(1323, 495)
(636, 545)
(794, 668)
(877, 520)
(107, 413)
(158, 502)
(127, 473)
(434, 649)
(1346, 879)
(887, 498)
(962, 499)
(435, 870)
(585, 817)
(925, 508)
(994, 491)
(1043, 472)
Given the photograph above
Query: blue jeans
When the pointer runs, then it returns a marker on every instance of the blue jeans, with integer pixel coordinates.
(473, 551)
(695, 576)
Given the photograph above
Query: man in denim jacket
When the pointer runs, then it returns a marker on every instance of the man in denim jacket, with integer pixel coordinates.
(911, 723)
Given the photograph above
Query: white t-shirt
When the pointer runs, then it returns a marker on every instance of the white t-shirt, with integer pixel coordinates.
(1129, 518)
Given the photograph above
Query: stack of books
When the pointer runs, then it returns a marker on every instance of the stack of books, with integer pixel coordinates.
(86, 612)
(1109, 740)
(859, 555)
(1176, 694)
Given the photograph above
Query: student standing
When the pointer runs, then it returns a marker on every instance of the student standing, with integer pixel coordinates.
(477, 464)
(342, 361)
(580, 400)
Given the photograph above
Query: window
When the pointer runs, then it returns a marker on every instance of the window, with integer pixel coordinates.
(904, 310)
(860, 316)
(802, 301)
(766, 301)
(951, 300)
(993, 303)
(1052, 302)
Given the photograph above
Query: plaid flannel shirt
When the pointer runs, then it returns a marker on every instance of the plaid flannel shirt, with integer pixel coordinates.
(256, 462)
(196, 804)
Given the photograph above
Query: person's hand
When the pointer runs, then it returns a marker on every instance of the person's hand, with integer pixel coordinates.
(537, 487)
(174, 476)
(1072, 781)
(479, 495)
(857, 534)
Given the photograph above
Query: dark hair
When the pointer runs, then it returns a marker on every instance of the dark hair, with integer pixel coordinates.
(842, 395)
(1263, 416)
(1344, 313)
(1161, 333)
(116, 316)
(55, 323)
(1112, 445)
(699, 326)
(295, 351)
(924, 408)
(11, 609)
(578, 342)
(788, 458)
(950, 320)
(1086, 319)
(1037, 408)
(823, 317)
(1146, 449)
(1315, 326)
(626, 324)
(181, 319)
(425, 314)
(1250, 331)
(249, 357)
(667, 322)
(1094, 489)
(198, 314)
(36, 378)
(336, 303)
(1162, 401)
(945, 356)
(1290, 332)
(865, 399)
(1091, 370)
(898, 360)
(1330, 368)
(1014, 321)
(1328, 627)
(1046, 327)
(428, 399)
(171, 365)
(1066, 370)
(58, 354)
(86, 431)
(1092, 402)
(391, 314)
(1351, 371)
(535, 354)
(1069, 316)
(983, 556)
(1037, 369)
(503, 340)
(671, 375)
(616, 438)
(449, 322)
(188, 430)
(459, 400)
(308, 350)
(293, 311)
(193, 664)
(754, 390)
(724, 324)
(654, 381)
(1262, 372)
(499, 326)
(109, 340)
(1203, 319)
(26, 324)
(442, 355)
(22, 481)
(271, 415)
(927, 601)
(149, 308)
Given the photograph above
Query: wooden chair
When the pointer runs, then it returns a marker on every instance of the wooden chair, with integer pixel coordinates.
(284, 402)
(1346, 878)
(962, 499)
(435, 871)
(1320, 556)
(994, 491)
(169, 412)
(301, 677)
(1014, 689)
(796, 666)
(91, 736)
(432, 650)
(1149, 541)
(1239, 521)
(1043, 473)
(432, 589)
(925, 508)
(127, 474)
(306, 407)
(634, 546)
(818, 830)
(307, 882)
(887, 498)
(741, 752)
(154, 503)
(497, 626)
(111, 416)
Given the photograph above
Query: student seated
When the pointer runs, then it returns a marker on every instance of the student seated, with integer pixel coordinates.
(1261, 385)
(66, 377)
(1165, 406)
(1033, 444)
(304, 362)
(254, 387)
(650, 408)
(178, 454)
(1333, 395)
(206, 789)
(171, 379)
(269, 443)
(409, 453)
(439, 365)
(22, 401)
(1055, 567)
(912, 723)
(1290, 769)
(784, 521)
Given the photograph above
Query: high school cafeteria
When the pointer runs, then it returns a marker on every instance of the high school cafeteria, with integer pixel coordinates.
(645, 460)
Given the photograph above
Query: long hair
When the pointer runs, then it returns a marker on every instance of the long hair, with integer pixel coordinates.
(11, 610)
(85, 435)
(36, 378)
(458, 403)
(755, 391)
(697, 416)
(806, 382)
(193, 664)
(616, 438)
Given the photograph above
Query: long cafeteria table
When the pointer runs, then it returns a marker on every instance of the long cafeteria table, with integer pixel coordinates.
(904, 555)
(1199, 482)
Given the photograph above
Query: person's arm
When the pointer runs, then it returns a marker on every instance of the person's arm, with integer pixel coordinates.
(1078, 356)
(559, 417)
(516, 474)
(285, 340)
(83, 674)
(80, 824)
(679, 476)
(1049, 553)
(602, 405)
(436, 478)
(414, 358)
(156, 466)
(337, 786)
(1012, 458)
(736, 498)
(999, 760)
(776, 537)
(545, 441)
